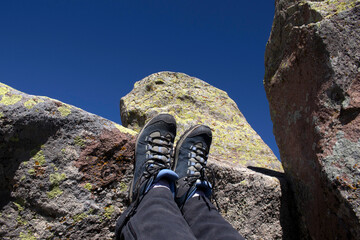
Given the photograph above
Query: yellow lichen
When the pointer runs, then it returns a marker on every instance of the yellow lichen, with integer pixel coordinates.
(10, 100)
(192, 101)
(21, 221)
(55, 168)
(123, 187)
(109, 211)
(3, 90)
(39, 157)
(88, 186)
(27, 236)
(329, 8)
(243, 182)
(79, 217)
(64, 110)
(18, 205)
(125, 130)
(79, 141)
(56, 191)
(56, 178)
(32, 102)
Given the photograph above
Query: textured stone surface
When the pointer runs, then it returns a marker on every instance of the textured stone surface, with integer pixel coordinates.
(193, 101)
(256, 201)
(65, 173)
(312, 82)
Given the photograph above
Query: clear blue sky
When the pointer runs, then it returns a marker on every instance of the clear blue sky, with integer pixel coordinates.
(90, 53)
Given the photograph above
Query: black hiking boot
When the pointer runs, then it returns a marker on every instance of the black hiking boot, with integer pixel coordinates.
(153, 150)
(190, 160)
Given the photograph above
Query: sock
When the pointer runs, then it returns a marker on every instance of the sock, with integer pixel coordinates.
(162, 183)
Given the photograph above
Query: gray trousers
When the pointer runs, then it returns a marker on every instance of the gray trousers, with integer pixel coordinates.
(158, 217)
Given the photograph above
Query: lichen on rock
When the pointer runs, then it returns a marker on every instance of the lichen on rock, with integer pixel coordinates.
(41, 143)
(70, 175)
(192, 101)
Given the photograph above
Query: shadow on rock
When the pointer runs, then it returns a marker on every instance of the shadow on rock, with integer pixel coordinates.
(289, 216)
(20, 141)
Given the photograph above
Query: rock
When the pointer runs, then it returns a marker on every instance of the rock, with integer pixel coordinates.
(257, 204)
(193, 101)
(312, 83)
(65, 174)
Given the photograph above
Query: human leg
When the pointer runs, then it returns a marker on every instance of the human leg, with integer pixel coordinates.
(157, 217)
(206, 222)
(194, 188)
(153, 214)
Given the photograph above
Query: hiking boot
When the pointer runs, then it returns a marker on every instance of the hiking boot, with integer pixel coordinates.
(190, 160)
(153, 150)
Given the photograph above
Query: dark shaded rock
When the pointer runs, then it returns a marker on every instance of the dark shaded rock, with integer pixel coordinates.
(312, 83)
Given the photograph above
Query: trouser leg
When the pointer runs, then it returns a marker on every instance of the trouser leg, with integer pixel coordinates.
(206, 222)
(157, 217)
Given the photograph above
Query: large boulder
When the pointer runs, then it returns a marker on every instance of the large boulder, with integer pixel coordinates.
(252, 190)
(192, 101)
(65, 173)
(312, 83)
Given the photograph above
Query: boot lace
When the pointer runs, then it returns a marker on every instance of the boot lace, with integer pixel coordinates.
(198, 171)
(158, 154)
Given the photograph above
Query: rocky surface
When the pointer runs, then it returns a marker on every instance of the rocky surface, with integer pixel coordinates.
(312, 82)
(193, 101)
(65, 173)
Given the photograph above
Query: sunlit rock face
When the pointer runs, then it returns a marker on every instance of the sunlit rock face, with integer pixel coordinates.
(192, 101)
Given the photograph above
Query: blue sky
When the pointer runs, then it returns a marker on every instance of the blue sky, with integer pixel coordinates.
(90, 53)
